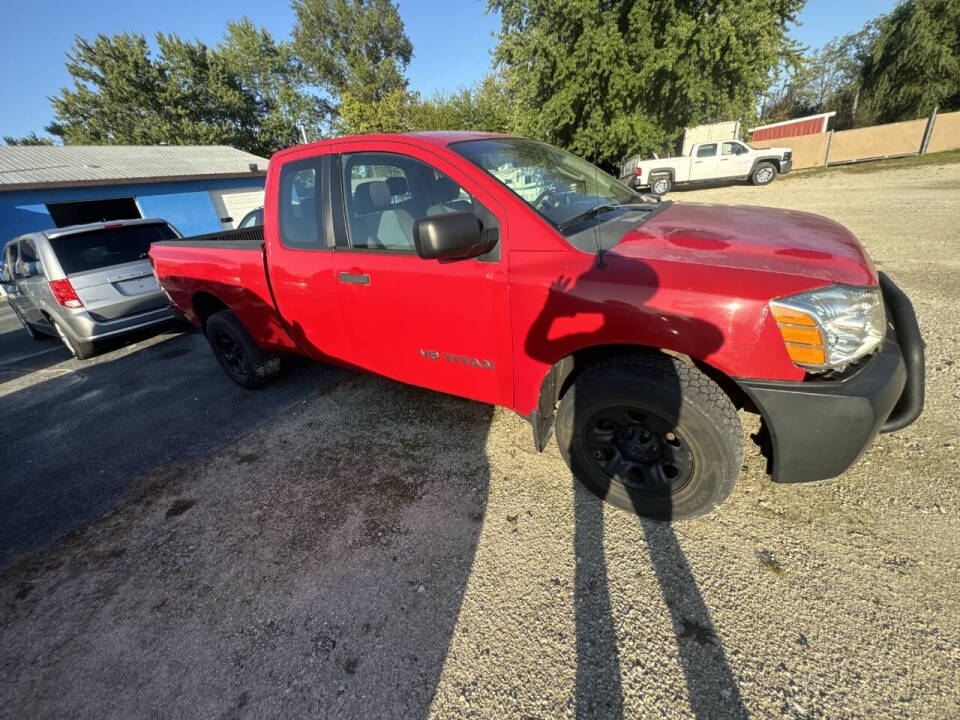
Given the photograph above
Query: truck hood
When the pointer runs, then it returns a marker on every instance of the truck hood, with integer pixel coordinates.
(755, 238)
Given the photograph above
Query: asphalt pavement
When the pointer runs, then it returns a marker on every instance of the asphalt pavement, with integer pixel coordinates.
(74, 433)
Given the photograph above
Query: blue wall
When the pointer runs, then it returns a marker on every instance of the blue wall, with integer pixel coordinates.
(184, 204)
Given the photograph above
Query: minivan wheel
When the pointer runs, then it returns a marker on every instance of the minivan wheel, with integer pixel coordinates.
(653, 435)
(79, 349)
(238, 355)
(660, 186)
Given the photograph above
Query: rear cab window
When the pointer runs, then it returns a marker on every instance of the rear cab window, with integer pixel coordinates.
(707, 150)
(105, 247)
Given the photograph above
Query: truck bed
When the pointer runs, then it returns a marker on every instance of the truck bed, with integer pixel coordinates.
(227, 270)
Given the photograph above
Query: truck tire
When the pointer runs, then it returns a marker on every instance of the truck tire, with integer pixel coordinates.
(660, 185)
(238, 355)
(79, 349)
(653, 435)
(764, 174)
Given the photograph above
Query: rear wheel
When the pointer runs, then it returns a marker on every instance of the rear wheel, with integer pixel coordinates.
(238, 355)
(660, 185)
(80, 349)
(653, 435)
(764, 174)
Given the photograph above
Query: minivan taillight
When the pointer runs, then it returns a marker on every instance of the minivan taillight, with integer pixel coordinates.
(65, 294)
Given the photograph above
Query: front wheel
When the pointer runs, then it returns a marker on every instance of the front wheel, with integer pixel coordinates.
(764, 174)
(238, 355)
(653, 435)
(31, 330)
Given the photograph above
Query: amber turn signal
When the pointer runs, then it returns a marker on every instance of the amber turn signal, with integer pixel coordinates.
(801, 335)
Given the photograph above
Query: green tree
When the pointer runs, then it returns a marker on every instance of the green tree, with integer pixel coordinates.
(913, 61)
(247, 92)
(484, 107)
(827, 80)
(357, 52)
(31, 139)
(605, 79)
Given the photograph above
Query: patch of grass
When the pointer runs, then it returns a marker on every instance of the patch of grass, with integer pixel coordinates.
(179, 507)
(351, 666)
(947, 157)
(247, 459)
(769, 563)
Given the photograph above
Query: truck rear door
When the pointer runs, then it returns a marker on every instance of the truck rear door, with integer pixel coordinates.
(444, 325)
(704, 163)
(300, 257)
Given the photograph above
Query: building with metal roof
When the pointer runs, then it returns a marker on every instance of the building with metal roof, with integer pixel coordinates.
(197, 188)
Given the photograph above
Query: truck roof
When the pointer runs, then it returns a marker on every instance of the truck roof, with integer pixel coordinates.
(439, 138)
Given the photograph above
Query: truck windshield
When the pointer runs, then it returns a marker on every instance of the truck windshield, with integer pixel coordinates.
(104, 247)
(558, 185)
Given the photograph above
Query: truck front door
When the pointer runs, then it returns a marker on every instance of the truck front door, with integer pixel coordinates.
(704, 164)
(438, 324)
(735, 160)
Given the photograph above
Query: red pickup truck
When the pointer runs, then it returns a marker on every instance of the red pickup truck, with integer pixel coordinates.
(510, 272)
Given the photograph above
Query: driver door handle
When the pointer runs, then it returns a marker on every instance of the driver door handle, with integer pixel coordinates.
(352, 278)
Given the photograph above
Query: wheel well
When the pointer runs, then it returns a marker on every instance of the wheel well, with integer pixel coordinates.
(772, 160)
(565, 371)
(206, 304)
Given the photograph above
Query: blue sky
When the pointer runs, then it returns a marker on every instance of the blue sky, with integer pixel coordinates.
(451, 46)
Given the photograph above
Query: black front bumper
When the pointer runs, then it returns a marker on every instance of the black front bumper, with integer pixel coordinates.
(819, 428)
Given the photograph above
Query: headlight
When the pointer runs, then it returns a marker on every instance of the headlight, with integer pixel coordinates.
(829, 328)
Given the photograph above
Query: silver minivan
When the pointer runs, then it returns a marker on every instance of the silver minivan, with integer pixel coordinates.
(86, 282)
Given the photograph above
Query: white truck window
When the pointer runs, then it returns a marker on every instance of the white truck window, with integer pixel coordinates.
(707, 150)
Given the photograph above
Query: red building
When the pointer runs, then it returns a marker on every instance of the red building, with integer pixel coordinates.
(810, 125)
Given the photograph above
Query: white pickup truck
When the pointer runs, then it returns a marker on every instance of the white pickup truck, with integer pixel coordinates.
(716, 160)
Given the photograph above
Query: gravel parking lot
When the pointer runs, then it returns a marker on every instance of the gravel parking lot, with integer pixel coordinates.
(376, 550)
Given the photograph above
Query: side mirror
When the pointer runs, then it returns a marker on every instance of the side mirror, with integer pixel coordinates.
(450, 236)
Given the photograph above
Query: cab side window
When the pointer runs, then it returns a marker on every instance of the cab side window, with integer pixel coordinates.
(386, 193)
(707, 150)
(299, 204)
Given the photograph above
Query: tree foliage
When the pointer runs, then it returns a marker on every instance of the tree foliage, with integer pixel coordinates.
(31, 139)
(246, 92)
(485, 107)
(824, 81)
(605, 79)
(357, 51)
(913, 63)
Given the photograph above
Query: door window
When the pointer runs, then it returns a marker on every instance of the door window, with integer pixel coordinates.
(707, 150)
(385, 194)
(299, 204)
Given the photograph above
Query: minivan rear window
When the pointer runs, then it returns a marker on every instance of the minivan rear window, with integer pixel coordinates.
(109, 246)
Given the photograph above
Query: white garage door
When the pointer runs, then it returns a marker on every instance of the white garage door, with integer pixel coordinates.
(231, 205)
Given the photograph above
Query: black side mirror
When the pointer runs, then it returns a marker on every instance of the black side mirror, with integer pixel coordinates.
(450, 236)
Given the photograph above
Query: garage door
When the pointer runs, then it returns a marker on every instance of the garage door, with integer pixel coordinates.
(231, 205)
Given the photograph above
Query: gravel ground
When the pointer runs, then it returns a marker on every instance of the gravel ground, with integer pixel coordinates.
(384, 551)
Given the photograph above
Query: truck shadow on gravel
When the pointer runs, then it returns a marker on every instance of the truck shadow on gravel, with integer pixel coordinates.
(712, 688)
